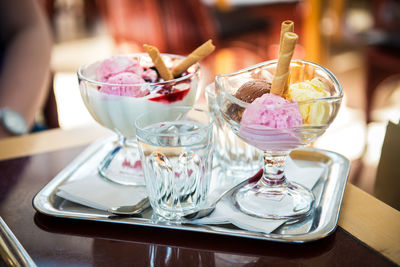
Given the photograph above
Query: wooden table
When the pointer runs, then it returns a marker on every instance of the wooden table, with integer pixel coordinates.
(368, 232)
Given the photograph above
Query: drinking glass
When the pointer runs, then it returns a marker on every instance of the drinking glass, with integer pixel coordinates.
(274, 196)
(234, 155)
(118, 113)
(176, 152)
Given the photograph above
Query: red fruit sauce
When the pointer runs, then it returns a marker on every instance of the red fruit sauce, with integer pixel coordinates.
(176, 95)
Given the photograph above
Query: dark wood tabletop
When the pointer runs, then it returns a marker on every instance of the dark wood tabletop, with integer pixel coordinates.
(54, 241)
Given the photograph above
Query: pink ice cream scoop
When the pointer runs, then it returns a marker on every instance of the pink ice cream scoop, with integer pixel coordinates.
(267, 123)
(272, 111)
(116, 65)
(125, 78)
(124, 70)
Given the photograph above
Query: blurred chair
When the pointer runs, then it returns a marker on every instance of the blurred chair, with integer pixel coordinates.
(174, 26)
(382, 65)
(383, 52)
(387, 185)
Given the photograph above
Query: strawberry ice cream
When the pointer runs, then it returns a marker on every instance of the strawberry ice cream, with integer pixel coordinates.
(125, 78)
(124, 70)
(267, 123)
(116, 65)
(272, 111)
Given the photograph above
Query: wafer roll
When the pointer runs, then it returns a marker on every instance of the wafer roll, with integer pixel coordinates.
(308, 72)
(280, 80)
(296, 74)
(158, 62)
(287, 26)
(198, 54)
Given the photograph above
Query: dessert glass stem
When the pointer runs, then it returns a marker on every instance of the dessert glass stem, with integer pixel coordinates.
(110, 156)
(122, 164)
(273, 172)
(273, 196)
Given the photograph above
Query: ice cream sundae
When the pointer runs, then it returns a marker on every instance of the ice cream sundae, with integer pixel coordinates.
(273, 104)
(129, 85)
(278, 106)
(118, 89)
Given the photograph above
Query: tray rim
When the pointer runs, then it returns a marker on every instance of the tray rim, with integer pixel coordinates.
(78, 161)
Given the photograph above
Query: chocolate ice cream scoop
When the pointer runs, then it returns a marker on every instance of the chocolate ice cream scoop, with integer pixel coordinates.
(248, 92)
(253, 89)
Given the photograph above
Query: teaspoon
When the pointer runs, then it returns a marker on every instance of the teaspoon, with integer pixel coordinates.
(211, 207)
(131, 209)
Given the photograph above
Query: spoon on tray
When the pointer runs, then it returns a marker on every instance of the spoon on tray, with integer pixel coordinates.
(211, 207)
(145, 203)
(131, 209)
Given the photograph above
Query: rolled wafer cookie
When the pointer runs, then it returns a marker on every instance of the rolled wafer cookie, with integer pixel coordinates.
(296, 74)
(308, 72)
(280, 80)
(301, 73)
(158, 62)
(198, 54)
(287, 26)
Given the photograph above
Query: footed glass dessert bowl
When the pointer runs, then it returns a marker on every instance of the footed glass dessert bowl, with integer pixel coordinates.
(277, 125)
(116, 90)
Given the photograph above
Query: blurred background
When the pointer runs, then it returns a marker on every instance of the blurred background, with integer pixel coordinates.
(359, 41)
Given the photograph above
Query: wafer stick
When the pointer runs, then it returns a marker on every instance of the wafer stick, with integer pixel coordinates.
(280, 80)
(287, 26)
(296, 74)
(308, 72)
(198, 54)
(158, 62)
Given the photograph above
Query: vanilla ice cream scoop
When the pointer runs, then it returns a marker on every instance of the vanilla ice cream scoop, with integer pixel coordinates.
(313, 113)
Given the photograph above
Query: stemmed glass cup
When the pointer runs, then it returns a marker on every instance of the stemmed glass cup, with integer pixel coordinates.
(118, 113)
(275, 196)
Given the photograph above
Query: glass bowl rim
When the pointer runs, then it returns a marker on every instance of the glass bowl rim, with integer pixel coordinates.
(203, 125)
(310, 101)
(81, 76)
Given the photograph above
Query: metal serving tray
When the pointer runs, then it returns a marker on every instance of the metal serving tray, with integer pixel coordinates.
(328, 192)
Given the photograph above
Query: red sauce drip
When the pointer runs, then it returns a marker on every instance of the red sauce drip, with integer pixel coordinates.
(137, 165)
(256, 177)
(176, 95)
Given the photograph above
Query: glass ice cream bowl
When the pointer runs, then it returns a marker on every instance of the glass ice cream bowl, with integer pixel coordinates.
(277, 126)
(117, 105)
